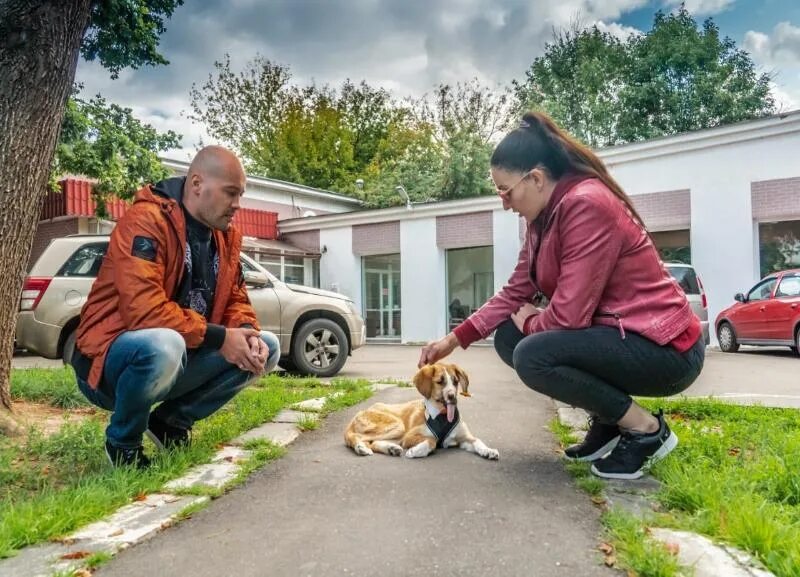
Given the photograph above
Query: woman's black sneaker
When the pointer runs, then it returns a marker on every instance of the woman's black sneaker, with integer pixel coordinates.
(166, 436)
(121, 457)
(635, 452)
(600, 440)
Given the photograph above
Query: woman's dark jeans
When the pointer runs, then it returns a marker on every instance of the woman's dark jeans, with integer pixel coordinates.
(595, 369)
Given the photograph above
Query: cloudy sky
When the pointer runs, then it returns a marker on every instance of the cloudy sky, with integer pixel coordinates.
(409, 46)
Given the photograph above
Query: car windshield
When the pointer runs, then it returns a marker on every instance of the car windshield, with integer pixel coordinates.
(686, 277)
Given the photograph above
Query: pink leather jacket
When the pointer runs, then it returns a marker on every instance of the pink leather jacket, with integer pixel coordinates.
(595, 264)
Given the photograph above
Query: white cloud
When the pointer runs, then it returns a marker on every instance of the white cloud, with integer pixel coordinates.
(406, 47)
(780, 47)
(702, 7)
(618, 30)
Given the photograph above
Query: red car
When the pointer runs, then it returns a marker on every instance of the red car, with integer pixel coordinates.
(768, 315)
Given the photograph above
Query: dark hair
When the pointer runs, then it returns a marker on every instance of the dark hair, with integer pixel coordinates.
(538, 142)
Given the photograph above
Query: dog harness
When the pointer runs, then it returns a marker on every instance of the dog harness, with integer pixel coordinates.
(437, 423)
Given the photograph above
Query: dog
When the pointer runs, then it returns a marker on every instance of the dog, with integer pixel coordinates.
(418, 428)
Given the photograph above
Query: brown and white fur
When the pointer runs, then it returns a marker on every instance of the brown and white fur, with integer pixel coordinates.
(400, 428)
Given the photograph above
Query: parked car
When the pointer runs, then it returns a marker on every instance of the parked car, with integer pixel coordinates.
(768, 315)
(691, 284)
(317, 329)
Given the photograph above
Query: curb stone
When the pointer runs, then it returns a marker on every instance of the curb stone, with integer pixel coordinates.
(706, 558)
(141, 520)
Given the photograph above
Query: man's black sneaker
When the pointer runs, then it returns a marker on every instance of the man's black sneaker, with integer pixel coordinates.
(166, 436)
(635, 452)
(600, 440)
(121, 457)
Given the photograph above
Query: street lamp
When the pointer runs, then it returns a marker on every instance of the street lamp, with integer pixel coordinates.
(399, 188)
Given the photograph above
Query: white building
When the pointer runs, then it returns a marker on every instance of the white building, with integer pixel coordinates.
(723, 194)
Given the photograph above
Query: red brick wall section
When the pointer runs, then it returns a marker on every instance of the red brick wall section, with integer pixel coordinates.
(378, 238)
(667, 210)
(307, 239)
(47, 231)
(777, 199)
(464, 230)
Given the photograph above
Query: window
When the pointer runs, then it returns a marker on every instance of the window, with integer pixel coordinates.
(789, 287)
(470, 281)
(86, 261)
(293, 269)
(686, 277)
(763, 290)
(779, 245)
(315, 282)
(673, 245)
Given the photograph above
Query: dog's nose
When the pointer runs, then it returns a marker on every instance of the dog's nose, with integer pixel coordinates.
(450, 397)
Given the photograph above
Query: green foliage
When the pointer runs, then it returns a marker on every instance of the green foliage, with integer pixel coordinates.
(106, 142)
(124, 33)
(675, 78)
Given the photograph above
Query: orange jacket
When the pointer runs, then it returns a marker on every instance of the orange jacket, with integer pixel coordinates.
(133, 293)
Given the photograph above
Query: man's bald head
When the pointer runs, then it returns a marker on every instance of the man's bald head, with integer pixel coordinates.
(214, 184)
(216, 161)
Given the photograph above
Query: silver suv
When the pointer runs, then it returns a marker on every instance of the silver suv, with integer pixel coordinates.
(691, 284)
(317, 329)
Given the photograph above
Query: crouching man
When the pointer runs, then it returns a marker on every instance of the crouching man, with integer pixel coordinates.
(168, 319)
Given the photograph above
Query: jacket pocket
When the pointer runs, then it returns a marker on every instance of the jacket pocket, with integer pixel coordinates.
(615, 316)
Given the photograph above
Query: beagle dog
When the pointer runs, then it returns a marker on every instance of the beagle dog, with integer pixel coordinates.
(418, 428)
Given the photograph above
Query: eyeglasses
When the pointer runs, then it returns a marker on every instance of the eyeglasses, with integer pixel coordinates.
(505, 194)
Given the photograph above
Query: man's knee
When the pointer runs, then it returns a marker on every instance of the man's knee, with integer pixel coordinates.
(169, 347)
(530, 361)
(274, 347)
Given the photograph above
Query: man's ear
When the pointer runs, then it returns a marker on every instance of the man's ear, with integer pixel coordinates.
(423, 380)
(463, 380)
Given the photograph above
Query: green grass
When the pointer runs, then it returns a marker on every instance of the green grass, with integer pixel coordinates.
(52, 386)
(50, 486)
(735, 477)
(636, 550)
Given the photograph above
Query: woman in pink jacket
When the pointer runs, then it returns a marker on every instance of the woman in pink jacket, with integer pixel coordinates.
(590, 315)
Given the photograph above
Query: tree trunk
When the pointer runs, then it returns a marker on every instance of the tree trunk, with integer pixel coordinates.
(39, 47)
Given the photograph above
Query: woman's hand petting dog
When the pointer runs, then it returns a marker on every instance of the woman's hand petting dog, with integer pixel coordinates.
(437, 350)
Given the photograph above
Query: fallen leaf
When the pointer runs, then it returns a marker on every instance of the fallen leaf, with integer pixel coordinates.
(598, 500)
(610, 560)
(229, 459)
(82, 573)
(76, 555)
(116, 533)
(140, 497)
(672, 548)
(734, 451)
(606, 548)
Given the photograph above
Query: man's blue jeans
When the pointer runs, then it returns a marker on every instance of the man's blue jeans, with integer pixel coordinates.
(148, 366)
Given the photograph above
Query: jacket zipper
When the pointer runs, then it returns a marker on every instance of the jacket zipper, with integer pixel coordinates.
(618, 318)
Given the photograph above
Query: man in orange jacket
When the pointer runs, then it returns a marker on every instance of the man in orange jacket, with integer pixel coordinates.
(168, 319)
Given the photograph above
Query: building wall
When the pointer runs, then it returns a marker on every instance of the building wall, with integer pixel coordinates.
(340, 269)
(378, 238)
(423, 283)
(47, 231)
(724, 234)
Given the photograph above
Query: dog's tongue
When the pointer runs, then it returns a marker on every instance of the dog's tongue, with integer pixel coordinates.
(451, 412)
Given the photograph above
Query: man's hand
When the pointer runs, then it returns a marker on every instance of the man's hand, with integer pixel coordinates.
(522, 315)
(237, 350)
(259, 349)
(436, 350)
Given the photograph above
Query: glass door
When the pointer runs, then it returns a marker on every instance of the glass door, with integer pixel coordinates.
(381, 286)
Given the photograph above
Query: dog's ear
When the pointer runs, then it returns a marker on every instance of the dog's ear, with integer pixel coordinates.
(463, 380)
(423, 380)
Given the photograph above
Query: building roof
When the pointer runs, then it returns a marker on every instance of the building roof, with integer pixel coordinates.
(182, 167)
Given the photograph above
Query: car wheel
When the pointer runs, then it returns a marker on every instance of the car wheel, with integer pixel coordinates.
(319, 348)
(69, 347)
(727, 338)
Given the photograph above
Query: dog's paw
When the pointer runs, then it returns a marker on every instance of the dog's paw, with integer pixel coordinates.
(417, 451)
(492, 454)
(395, 450)
(362, 449)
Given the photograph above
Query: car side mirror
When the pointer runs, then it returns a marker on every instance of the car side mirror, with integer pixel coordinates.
(740, 297)
(256, 279)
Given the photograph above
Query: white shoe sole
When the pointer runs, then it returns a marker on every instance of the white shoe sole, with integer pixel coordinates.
(598, 454)
(664, 450)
